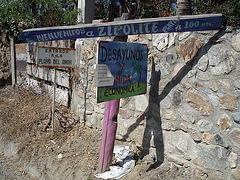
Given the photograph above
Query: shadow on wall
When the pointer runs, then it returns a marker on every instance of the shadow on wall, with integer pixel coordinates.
(153, 120)
(152, 112)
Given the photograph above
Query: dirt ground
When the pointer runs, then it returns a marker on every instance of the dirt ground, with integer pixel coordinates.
(29, 151)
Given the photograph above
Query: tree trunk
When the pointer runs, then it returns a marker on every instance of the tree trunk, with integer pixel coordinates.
(184, 7)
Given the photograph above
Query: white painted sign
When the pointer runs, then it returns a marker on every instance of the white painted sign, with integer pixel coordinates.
(55, 57)
(103, 76)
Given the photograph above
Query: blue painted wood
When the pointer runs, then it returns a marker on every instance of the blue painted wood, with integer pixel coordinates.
(129, 27)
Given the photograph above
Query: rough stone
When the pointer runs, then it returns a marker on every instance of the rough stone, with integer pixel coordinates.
(187, 115)
(214, 99)
(220, 141)
(124, 113)
(208, 138)
(203, 63)
(160, 41)
(184, 126)
(204, 125)
(197, 101)
(189, 49)
(195, 133)
(132, 38)
(224, 122)
(204, 76)
(171, 58)
(167, 126)
(163, 83)
(221, 61)
(165, 103)
(124, 102)
(214, 139)
(175, 159)
(170, 114)
(236, 117)
(183, 35)
(177, 69)
(192, 73)
(235, 136)
(226, 84)
(197, 162)
(176, 98)
(235, 42)
(213, 157)
(131, 107)
(214, 86)
(179, 144)
(141, 103)
(236, 172)
(171, 39)
(228, 102)
(218, 39)
(148, 36)
(198, 85)
(232, 160)
(237, 83)
(94, 119)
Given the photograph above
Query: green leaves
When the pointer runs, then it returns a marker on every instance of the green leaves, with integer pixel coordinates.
(229, 8)
(36, 13)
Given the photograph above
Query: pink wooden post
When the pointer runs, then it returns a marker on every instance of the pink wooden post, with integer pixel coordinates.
(108, 134)
(110, 120)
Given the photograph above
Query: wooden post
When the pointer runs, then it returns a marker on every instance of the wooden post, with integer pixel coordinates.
(13, 62)
(53, 104)
(110, 122)
(87, 11)
(183, 7)
(108, 134)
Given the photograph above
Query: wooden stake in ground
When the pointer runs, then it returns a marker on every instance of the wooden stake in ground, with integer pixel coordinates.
(13, 62)
(53, 104)
(108, 134)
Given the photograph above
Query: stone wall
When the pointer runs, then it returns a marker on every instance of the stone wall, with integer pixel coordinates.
(191, 113)
(41, 78)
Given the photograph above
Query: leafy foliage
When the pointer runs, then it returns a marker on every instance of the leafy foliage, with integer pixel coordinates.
(162, 8)
(137, 8)
(18, 14)
(229, 8)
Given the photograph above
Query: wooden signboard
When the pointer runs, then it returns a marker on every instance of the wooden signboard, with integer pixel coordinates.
(129, 27)
(55, 57)
(127, 63)
(52, 57)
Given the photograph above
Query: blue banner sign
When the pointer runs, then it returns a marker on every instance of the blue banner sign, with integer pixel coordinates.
(122, 28)
(127, 63)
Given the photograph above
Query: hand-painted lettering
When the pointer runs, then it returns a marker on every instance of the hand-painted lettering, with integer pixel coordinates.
(101, 31)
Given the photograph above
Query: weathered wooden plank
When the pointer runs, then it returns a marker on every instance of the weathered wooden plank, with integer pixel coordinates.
(127, 27)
